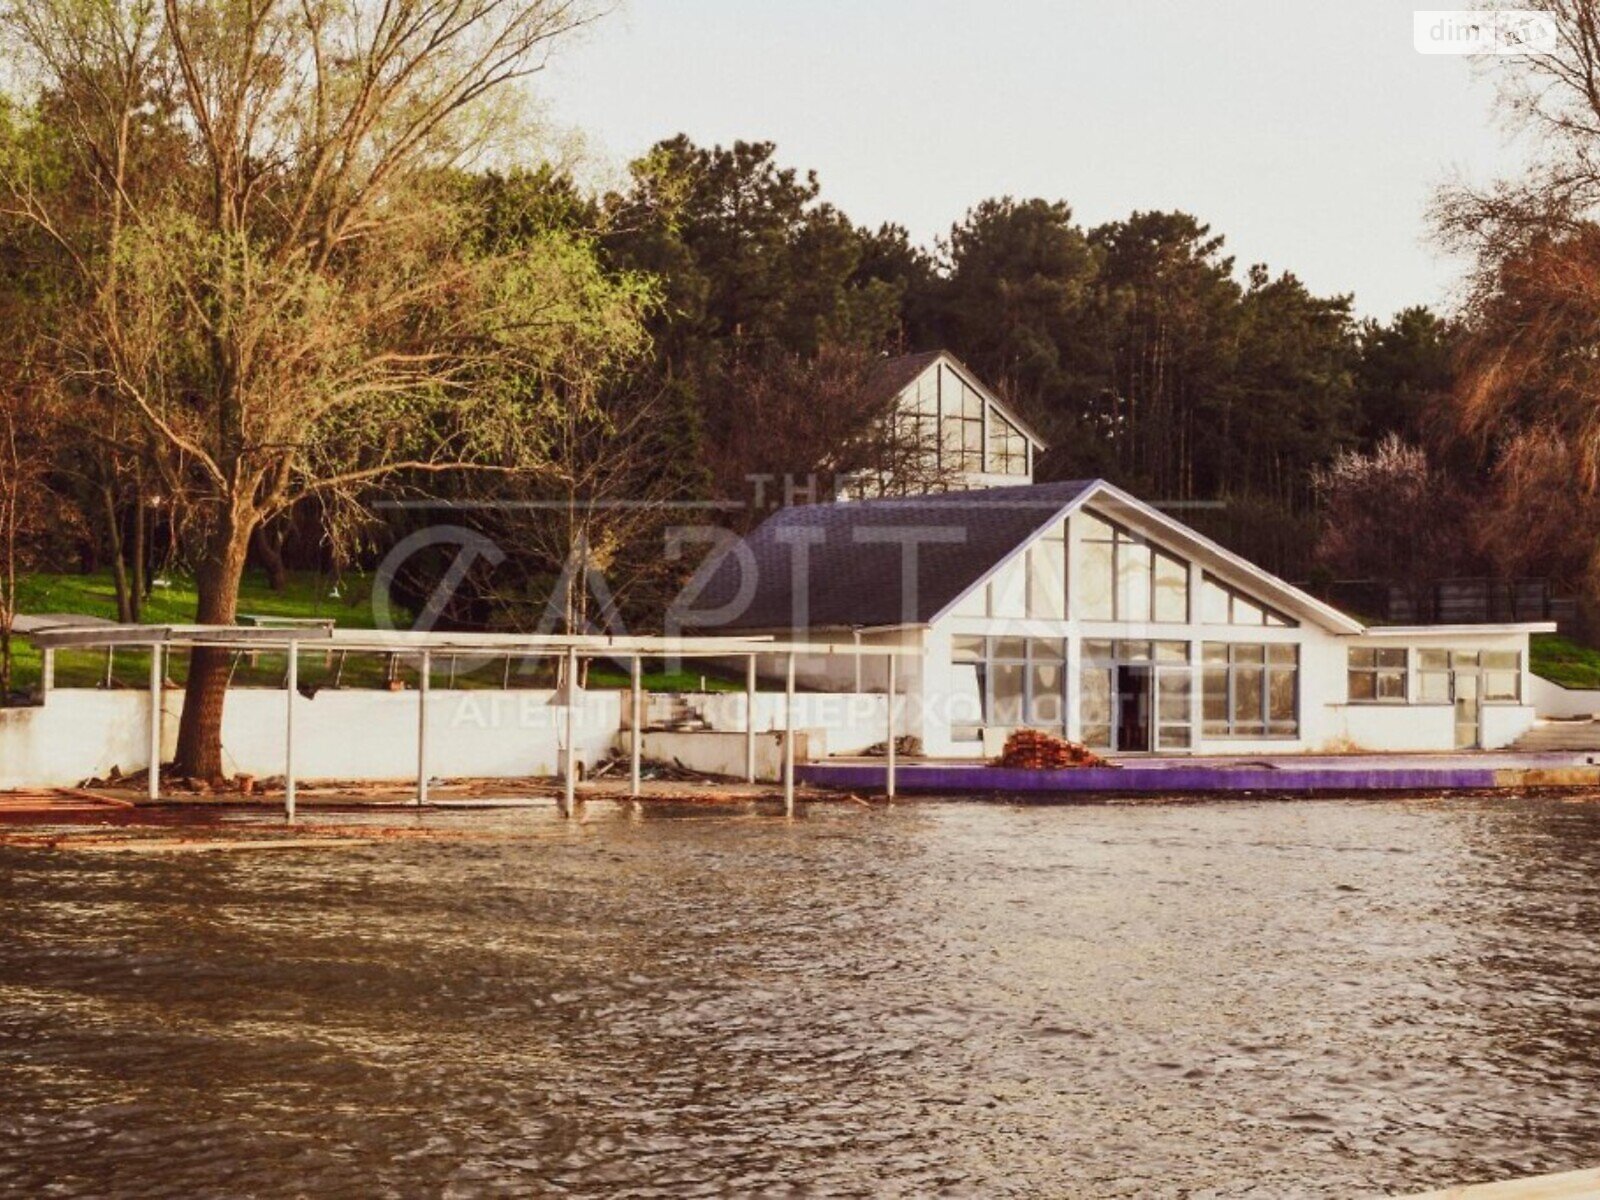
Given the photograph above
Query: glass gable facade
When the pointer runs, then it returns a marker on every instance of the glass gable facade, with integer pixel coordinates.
(1120, 576)
(948, 418)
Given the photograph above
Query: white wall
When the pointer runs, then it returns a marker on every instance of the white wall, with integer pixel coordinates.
(853, 721)
(1390, 727)
(77, 735)
(358, 734)
(1505, 723)
(81, 734)
(1553, 700)
(724, 753)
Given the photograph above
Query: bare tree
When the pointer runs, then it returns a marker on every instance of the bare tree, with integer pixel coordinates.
(1536, 524)
(817, 424)
(26, 506)
(1532, 318)
(265, 272)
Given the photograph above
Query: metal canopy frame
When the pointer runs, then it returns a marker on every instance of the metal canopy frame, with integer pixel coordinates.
(572, 648)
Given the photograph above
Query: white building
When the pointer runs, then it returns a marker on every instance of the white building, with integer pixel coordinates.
(1076, 608)
(963, 434)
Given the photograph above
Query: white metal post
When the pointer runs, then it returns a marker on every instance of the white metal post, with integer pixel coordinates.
(888, 773)
(569, 774)
(636, 741)
(155, 722)
(422, 729)
(750, 720)
(47, 671)
(292, 676)
(788, 738)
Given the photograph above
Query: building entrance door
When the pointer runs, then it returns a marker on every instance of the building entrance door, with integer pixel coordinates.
(1468, 694)
(1133, 708)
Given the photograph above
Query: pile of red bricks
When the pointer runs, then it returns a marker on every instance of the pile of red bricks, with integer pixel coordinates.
(1035, 751)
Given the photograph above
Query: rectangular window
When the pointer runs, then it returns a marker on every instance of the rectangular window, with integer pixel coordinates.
(1118, 575)
(1502, 675)
(1018, 681)
(1246, 707)
(1174, 687)
(1093, 600)
(1134, 567)
(1250, 690)
(1214, 701)
(1172, 589)
(1377, 674)
(1047, 578)
(1008, 449)
(962, 439)
(1046, 703)
(1007, 681)
(1094, 701)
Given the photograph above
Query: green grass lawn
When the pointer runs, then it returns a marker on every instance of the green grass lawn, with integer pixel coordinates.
(1564, 661)
(306, 594)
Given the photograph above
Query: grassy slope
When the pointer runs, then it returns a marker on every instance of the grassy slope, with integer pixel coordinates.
(1564, 661)
(305, 595)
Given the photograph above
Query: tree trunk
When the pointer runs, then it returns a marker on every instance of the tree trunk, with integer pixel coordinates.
(217, 584)
(269, 549)
(119, 568)
(138, 587)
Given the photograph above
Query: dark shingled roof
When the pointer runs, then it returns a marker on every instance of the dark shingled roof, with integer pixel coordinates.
(890, 376)
(853, 557)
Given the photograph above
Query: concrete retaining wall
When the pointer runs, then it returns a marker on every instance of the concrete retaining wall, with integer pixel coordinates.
(724, 753)
(80, 734)
(853, 720)
(77, 735)
(1553, 700)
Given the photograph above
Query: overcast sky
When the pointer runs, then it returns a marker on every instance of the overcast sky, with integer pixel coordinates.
(1309, 132)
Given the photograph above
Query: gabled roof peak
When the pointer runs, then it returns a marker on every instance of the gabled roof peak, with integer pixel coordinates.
(896, 373)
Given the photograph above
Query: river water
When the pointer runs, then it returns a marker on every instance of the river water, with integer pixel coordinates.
(1317, 998)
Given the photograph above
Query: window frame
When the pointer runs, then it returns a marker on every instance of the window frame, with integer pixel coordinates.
(1240, 659)
(1120, 537)
(1006, 446)
(1376, 671)
(1035, 652)
(955, 417)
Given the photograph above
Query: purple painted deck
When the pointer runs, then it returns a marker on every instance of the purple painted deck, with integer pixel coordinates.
(966, 778)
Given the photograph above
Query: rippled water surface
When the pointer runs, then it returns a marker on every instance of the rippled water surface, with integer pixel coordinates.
(1242, 999)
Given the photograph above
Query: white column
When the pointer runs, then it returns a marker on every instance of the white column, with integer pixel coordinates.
(750, 720)
(788, 738)
(293, 686)
(155, 720)
(636, 742)
(1196, 660)
(1074, 683)
(422, 729)
(569, 774)
(47, 672)
(888, 771)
